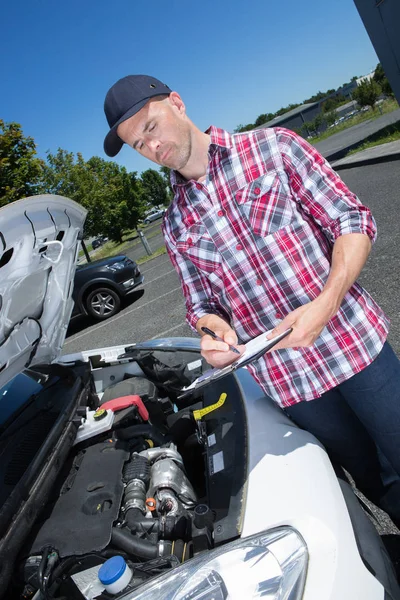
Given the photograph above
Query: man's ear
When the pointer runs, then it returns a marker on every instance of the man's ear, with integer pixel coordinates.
(177, 102)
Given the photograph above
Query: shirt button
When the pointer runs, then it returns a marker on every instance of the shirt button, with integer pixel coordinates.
(259, 282)
(220, 213)
(257, 190)
(199, 186)
(190, 242)
(278, 316)
(239, 247)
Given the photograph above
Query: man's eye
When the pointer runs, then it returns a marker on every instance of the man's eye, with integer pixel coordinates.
(152, 127)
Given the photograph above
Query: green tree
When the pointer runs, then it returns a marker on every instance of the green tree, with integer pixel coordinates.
(367, 93)
(329, 104)
(154, 188)
(165, 172)
(111, 195)
(113, 199)
(334, 102)
(330, 117)
(306, 129)
(242, 128)
(318, 96)
(312, 127)
(382, 81)
(20, 169)
(318, 122)
(62, 174)
(264, 118)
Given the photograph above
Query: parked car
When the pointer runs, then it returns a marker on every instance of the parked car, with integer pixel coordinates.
(113, 486)
(154, 216)
(99, 241)
(100, 285)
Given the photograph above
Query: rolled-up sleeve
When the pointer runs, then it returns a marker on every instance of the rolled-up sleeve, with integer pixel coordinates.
(196, 288)
(320, 191)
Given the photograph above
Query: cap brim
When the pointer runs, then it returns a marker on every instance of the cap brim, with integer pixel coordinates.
(112, 142)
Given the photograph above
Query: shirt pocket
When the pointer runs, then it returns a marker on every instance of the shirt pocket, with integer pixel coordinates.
(266, 204)
(196, 244)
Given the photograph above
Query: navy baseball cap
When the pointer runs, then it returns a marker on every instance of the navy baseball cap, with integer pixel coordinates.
(123, 100)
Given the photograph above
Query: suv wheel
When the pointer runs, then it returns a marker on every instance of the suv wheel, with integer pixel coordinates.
(102, 303)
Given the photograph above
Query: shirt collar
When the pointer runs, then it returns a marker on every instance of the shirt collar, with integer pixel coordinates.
(219, 139)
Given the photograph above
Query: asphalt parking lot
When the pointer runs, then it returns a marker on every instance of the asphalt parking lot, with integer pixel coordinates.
(155, 309)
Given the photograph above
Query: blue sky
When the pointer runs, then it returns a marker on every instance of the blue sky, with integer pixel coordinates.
(230, 61)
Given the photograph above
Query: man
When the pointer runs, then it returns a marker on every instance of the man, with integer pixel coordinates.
(264, 235)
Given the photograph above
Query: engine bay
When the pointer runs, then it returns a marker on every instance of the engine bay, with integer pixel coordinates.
(147, 477)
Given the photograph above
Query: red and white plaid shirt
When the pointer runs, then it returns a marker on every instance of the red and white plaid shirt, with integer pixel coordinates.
(254, 242)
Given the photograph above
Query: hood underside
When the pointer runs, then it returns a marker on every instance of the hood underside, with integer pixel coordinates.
(39, 245)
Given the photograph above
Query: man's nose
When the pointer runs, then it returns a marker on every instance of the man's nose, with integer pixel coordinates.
(153, 144)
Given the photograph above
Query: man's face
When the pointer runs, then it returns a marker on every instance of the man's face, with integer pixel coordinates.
(160, 131)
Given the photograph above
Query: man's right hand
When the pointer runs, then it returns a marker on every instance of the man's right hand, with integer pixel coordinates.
(216, 353)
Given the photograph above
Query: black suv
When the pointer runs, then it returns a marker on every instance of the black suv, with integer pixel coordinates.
(99, 286)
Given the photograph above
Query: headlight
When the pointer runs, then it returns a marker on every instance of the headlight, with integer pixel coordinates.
(270, 565)
(118, 266)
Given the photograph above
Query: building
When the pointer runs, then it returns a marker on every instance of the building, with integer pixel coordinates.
(295, 118)
(381, 19)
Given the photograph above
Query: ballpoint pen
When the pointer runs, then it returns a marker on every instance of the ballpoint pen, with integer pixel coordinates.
(219, 339)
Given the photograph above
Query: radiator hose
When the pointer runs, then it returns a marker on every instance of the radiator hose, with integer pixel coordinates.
(133, 545)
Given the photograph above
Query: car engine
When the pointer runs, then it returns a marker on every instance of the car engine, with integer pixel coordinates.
(150, 487)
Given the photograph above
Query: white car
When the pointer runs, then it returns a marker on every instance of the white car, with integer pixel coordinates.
(154, 216)
(113, 487)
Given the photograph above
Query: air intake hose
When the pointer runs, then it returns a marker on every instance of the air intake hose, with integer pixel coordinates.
(136, 475)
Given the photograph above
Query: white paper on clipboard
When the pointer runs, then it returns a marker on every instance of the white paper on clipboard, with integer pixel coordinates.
(253, 350)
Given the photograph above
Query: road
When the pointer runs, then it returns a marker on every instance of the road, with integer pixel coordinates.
(334, 147)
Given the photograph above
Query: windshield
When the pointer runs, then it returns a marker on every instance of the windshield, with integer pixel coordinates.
(15, 394)
(30, 405)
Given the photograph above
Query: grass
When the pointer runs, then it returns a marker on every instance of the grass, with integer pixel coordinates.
(158, 252)
(386, 106)
(130, 239)
(389, 134)
(112, 249)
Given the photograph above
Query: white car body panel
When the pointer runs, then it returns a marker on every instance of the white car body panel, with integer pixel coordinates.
(283, 460)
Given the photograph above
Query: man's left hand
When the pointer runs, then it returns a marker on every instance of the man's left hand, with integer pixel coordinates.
(307, 322)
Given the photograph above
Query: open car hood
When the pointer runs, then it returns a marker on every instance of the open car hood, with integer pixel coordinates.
(39, 246)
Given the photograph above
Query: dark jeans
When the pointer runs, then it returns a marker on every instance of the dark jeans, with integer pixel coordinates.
(357, 417)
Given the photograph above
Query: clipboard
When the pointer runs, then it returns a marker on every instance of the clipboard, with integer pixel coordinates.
(255, 348)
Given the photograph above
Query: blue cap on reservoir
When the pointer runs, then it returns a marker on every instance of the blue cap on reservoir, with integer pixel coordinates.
(112, 570)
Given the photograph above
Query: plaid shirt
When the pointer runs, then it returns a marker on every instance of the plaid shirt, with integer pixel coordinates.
(254, 242)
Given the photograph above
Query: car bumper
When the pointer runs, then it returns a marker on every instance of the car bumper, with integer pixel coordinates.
(126, 287)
